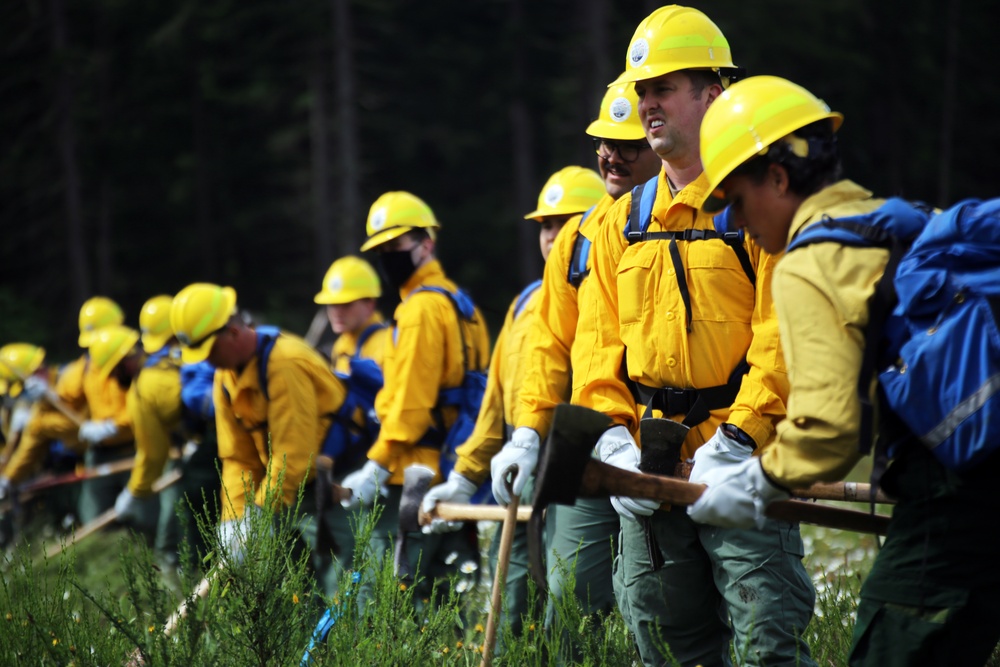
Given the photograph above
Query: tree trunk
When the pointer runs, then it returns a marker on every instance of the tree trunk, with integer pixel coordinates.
(950, 103)
(79, 274)
(205, 230)
(522, 143)
(319, 152)
(350, 218)
(105, 270)
(595, 70)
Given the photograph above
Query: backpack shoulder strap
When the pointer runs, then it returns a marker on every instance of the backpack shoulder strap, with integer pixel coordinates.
(266, 336)
(734, 239)
(581, 251)
(366, 334)
(641, 213)
(522, 298)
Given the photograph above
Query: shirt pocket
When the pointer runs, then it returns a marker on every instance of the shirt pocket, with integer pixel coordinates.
(720, 289)
(636, 282)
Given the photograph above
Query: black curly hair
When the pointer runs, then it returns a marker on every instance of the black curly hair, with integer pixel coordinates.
(806, 175)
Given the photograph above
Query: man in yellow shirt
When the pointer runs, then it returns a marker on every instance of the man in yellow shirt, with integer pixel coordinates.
(931, 598)
(274, 396)
(566, 196)
(683, 326)
(350, 289)
(437, 338)
(104, 436)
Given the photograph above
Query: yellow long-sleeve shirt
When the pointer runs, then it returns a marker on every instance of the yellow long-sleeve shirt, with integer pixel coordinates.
(154, 406)
(424, 356)
(550, 345)
(83, 390)
(303, 392)
(501, 406)
(347, 344)
(821, 293)
(636, 315)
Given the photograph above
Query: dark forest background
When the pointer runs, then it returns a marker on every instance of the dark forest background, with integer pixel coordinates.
(147, 144)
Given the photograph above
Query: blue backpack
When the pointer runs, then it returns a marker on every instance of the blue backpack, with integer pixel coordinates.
(933, 334)
(581, 252)
(695, 404)
(346, 442)
(466, 398)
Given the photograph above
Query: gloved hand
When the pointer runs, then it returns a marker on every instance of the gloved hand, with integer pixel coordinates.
(19, 417)
(737, 496)
(364, 484)
(521, 451)
(126, 505)
(93, 432)
(6, 488)
(457, 489)
(720, 451)
(35, 387)
(617, 447)
(233, 534)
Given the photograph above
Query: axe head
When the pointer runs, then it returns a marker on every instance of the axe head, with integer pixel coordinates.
(661, 441)
(575, 430)
(416, 483)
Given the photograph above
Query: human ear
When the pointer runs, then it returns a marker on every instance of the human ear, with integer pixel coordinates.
(777, 176)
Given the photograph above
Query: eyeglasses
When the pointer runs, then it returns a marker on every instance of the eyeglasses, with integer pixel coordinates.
(628, 151)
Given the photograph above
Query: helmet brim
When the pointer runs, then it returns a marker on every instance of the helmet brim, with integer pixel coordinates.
(195, 355)
(384, 236)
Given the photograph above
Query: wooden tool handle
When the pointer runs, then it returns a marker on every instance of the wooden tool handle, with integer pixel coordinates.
(463, 512)
(500, 578)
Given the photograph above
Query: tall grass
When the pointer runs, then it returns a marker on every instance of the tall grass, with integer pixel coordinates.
(262, 611)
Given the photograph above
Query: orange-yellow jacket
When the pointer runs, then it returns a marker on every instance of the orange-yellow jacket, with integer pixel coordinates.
(549, 353)
(637, 318)
(84, 391)
(154, 405)
(500, 406)
(423, 357)
(304, 394)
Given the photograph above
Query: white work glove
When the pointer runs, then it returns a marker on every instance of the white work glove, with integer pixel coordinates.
(126, 506)
(522, 452)
(93, 432)
(233, 534)
(617, 447)
(364, 484)
(19, 417)
(719, 452)
(737, 496)
(35, 387)
(6, 488)
(457, 489)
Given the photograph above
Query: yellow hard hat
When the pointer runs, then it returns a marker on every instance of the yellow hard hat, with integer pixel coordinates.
(395, 213)
(747, 118)
(20, 360)
(570, 190)
(154, 323)
(199, 312)
(349, 279)
(97, 312)
(109, 346)
(619, 116)
(675, 38)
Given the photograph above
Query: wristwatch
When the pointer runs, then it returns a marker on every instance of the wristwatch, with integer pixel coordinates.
(739, 435)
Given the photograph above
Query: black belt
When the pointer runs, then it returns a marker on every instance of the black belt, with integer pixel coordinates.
(695, 404)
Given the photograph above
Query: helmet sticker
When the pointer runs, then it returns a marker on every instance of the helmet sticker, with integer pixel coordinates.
(639, 52)
(553, 194)
(620, 109)
(379, 218)
(336, 284)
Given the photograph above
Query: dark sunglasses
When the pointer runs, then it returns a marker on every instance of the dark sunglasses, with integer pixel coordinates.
(628, 151)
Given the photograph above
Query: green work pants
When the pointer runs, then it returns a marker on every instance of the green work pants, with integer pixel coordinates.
(195, 495)
(99, 494)
(933, 595)
(340, 526)
(714, 585)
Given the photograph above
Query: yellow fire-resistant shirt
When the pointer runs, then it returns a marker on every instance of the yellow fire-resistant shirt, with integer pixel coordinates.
(154, 405)
(821, 292)
(423, 357)
(550, 345)
(81, 389)
(304, 394)
(500, 407)
(347, 344)
(635, 312)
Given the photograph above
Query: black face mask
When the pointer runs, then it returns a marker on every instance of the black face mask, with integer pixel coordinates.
(396, 266)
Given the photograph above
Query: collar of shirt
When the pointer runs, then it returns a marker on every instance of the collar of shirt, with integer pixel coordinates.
(689, 197)
(839, 193)
(588, 229)
(425, 274)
